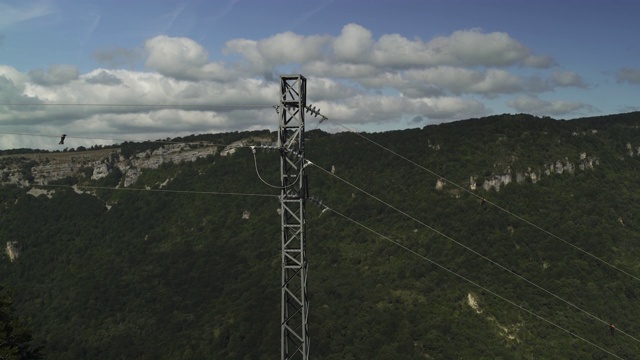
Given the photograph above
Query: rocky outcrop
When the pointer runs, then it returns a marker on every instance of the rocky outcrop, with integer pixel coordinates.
(51, 167)
(496, 181)
(152, 159)
(175, 153)
(631, 151)
(12, 250)
(40, 169)
(260, 141)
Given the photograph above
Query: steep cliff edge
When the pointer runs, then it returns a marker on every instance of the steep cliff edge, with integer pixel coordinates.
(44, 168)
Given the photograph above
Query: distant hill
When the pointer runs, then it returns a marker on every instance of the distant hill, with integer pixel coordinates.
(169, 250)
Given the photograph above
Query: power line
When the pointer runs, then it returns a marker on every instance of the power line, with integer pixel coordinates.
(157, 190)
(491, 203)
(470, 249)
(125, 140)
(85, 138)
(205, 106)
(357, 223)
(472, 282)
(255, 162)
(164, 142)
(267, 195)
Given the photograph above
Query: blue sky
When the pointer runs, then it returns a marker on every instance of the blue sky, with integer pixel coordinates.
(370, 65)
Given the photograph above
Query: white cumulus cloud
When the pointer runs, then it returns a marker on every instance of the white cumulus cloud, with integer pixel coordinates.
(353, 77)
(182, 58)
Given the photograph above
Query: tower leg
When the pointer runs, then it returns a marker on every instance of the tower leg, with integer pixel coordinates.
(294, 302)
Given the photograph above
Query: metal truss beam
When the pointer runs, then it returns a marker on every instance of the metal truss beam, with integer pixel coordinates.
(294, 305)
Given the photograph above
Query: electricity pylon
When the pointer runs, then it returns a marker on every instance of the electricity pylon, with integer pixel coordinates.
(293, 194)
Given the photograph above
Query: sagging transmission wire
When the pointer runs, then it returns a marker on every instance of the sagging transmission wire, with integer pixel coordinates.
(489, 202)
(255, 162)
(469, 281)
(162, 106)
(469, 249)
(75, 187)
(202, 143)
(122, 105)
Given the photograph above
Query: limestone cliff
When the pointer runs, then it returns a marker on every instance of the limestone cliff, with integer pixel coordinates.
(497, 180)
(43, 168)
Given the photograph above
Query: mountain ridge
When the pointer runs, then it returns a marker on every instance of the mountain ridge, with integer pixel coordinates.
(187, 275)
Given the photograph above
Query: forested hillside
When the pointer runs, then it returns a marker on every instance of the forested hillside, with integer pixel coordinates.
(406, 259)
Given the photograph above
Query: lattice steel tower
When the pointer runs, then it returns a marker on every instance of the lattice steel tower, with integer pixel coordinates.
(295, 305)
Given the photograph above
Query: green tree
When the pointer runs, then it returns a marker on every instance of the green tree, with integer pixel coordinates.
(16, 339)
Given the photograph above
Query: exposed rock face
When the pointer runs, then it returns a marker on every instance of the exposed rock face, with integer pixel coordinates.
(12, 250)
(100, 171)
(631, 152)
(472, 301)
(56, 166)
(37, 192)
(175, 153)
(231, 148)
(130, 176)
(45, 167)
(509, 332)
(42, 168)
(473, 182)
(54, 171)
(496, 181)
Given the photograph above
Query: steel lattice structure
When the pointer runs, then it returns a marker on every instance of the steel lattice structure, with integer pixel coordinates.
(294, 305)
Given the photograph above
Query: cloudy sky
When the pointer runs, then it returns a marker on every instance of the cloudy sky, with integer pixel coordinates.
(108, 71)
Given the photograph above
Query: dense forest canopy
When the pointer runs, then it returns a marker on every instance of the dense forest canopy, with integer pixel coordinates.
(506, 237)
